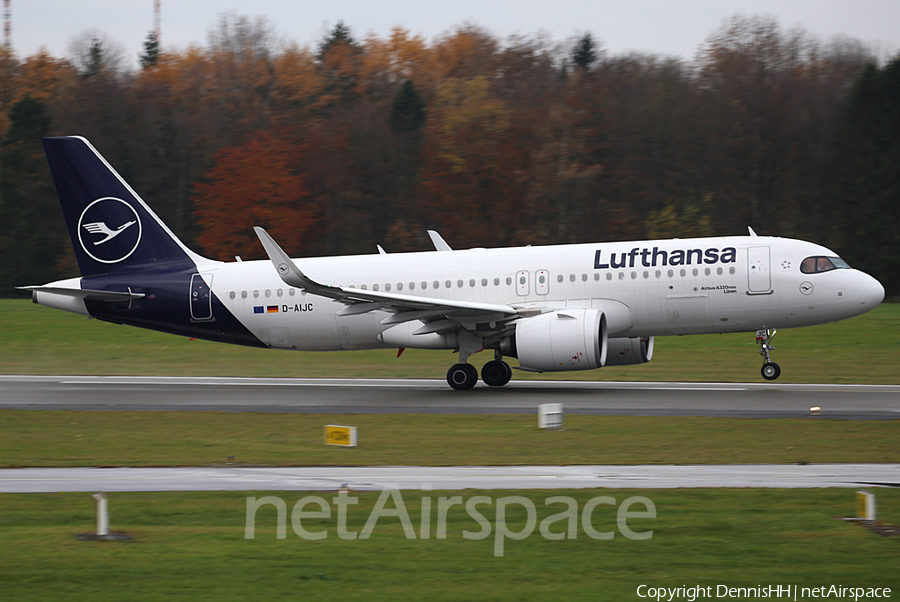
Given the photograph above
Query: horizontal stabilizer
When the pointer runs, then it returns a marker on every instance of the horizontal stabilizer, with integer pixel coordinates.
(80, 293)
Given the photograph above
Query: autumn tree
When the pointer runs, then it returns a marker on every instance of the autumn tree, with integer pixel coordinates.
(474, 166)
(340, 61)
(258, 183)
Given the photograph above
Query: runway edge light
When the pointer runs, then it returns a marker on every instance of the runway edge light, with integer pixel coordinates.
(343, 436)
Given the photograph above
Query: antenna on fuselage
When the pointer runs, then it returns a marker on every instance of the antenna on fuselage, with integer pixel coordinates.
(752, 233)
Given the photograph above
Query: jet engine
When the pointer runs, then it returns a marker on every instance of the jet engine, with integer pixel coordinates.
(570, 339)
(630, 351)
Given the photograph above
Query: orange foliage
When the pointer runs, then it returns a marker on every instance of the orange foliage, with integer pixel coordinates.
(254, 184)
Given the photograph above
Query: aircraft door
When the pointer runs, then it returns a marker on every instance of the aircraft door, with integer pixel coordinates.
(523, 286)
(201, 298)
(758, 274)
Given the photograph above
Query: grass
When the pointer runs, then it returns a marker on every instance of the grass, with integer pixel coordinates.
(191, 546)
(39, 340)
(79, 438)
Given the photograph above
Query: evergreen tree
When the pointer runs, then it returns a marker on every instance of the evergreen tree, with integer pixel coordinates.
(95, 59)
(151, 51)
(407, 109)
(867, 190)
(339, 35)
(33, 236)
(585, 53)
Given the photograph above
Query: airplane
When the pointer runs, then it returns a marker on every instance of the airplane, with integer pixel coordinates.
(554, 308)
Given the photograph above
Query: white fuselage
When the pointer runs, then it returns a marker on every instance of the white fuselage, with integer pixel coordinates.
(646, 288)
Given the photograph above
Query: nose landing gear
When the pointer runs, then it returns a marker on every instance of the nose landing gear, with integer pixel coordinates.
(770, 370)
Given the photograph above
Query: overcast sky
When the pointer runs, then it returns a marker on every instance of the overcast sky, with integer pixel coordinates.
(670, 27)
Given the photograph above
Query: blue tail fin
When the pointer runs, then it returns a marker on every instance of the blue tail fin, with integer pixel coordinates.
(110, 226)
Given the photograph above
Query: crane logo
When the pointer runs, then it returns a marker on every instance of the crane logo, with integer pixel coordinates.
(109, 230)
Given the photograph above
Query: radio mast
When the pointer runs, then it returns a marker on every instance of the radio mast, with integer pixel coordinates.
(7, 24)
(157, 20)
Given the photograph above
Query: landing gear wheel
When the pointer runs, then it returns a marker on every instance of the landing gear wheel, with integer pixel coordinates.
(462, 376)
(770, 371)
(496, 373)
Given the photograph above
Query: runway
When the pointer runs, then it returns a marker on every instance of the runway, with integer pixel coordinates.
(425, 478)
(341, 396)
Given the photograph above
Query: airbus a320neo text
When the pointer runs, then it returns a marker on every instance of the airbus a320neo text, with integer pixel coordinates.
(554, 308)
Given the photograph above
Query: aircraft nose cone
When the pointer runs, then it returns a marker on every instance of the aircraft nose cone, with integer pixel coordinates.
(871, 292)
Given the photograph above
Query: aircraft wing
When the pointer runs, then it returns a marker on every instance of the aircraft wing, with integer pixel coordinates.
(439, 315)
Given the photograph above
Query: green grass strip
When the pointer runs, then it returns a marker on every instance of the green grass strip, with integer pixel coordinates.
(192, 546)
(79, 438)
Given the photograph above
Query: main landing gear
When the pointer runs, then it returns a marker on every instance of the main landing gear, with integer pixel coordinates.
(770, 370)
(495, 373)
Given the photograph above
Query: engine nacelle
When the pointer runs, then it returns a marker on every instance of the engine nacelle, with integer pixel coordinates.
(570, 339)
(628, 352)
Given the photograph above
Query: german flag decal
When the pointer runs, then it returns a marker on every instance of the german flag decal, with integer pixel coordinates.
(271, 309)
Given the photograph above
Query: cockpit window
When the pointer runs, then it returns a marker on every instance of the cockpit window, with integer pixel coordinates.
(814, 265)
